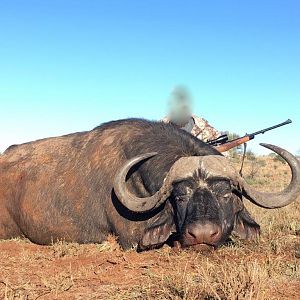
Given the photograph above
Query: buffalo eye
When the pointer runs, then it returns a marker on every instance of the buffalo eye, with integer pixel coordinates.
(181, 198)
(227, 195)
(183, 191)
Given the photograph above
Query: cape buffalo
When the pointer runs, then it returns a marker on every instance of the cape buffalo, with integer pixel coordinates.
(147, 183)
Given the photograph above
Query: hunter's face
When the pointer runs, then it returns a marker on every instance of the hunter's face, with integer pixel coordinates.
(180, 110)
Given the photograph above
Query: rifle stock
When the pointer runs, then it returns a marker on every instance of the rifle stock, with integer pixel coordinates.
(234, 143)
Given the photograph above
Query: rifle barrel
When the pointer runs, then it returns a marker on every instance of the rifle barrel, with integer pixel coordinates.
(272, 127)
(244, 139)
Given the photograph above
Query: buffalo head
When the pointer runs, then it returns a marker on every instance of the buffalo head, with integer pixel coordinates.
(206, 196)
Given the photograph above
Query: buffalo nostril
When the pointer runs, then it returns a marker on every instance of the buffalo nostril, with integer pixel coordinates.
(192, 234)
(215, 233)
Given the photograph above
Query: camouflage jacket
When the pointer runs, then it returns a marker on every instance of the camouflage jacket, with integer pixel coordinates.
(201, 129)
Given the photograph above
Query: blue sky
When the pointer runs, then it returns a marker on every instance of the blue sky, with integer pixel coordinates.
(68, 66)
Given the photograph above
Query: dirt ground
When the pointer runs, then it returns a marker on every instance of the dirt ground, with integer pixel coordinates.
(267, 269)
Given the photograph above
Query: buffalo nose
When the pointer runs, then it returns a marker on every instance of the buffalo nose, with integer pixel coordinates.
(207, 233)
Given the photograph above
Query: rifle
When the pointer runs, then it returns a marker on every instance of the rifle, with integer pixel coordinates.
(222, 144)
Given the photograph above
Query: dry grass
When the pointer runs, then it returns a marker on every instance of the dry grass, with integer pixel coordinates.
(267, 269)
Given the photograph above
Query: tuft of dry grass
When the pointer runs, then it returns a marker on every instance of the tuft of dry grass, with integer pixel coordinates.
(62, 249)
(58, 283)
(16, 292)
(110, 245)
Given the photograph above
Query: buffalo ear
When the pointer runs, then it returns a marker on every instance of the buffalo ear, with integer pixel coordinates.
(245, 227)
(159, 231)
(155, 237)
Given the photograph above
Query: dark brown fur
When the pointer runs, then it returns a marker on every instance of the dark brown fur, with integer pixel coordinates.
(62, 187)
